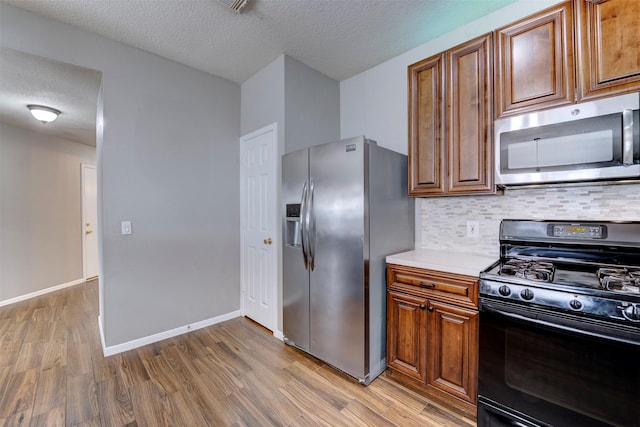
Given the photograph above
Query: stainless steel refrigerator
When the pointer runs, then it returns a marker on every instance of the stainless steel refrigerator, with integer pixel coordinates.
(345, 208)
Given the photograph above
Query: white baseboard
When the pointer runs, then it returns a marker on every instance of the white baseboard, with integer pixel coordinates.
(130, 345)
(40, 292)
(278, 334)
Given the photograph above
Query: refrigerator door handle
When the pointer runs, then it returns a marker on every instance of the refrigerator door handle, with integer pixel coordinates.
(303, 227)
(311, 227)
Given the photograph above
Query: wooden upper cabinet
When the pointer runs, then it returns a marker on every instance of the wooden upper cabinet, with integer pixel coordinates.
(534, 62)
(470, 117)
(571, 52)
(426, 120)
(451, 146)
(609, 47)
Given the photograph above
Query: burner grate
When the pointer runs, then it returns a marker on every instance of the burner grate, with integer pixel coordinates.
(619, 279)
(538, 271)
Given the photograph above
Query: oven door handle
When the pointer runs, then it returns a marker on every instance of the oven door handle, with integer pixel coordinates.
(538, 317)
(503, 416)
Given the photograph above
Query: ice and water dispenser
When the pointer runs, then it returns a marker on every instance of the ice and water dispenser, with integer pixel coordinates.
(293, 236)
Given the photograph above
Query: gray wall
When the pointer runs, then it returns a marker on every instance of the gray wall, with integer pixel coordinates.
(302, 101)
(41, 211)
(168, 161)
(312, 106)
(263, 98)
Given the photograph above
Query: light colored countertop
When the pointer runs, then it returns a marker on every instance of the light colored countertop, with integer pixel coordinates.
(447, 261)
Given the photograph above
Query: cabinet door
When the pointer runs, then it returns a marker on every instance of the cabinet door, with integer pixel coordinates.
(609, 47)
(534, 62)
(470, 117)
(426, 118)
(407, 334)
(453, 350)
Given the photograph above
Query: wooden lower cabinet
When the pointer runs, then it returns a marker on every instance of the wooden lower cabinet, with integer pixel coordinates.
(432, 335)
(407, 334)
(452, 350)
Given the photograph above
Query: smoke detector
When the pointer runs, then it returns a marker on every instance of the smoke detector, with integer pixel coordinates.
(235, 5)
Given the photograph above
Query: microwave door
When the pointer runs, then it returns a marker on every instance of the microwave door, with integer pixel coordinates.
(544, 154)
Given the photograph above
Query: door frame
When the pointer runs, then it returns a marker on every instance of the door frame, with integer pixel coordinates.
(275, 168)
(84, 167)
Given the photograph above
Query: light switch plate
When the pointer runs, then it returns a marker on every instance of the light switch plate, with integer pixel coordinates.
(125, 227)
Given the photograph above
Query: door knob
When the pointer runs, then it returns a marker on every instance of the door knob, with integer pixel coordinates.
(268, 241)
(88, 232)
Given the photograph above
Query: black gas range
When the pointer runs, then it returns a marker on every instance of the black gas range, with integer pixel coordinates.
(559, 306)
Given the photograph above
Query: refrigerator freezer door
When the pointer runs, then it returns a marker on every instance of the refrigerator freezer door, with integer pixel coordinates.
(295, 292)
(338, 324)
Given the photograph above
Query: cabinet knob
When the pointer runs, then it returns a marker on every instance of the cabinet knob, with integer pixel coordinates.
(422, 306)
(430, 308)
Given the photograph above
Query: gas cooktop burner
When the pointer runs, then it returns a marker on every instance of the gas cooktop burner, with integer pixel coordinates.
(538, 271)
(620, 279)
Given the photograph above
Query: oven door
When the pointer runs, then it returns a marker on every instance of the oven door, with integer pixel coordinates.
(535, 372)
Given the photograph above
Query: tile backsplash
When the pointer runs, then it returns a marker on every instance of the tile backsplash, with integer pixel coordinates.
(444, 219)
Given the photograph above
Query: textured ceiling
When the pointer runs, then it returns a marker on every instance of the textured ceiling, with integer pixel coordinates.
(339, 38)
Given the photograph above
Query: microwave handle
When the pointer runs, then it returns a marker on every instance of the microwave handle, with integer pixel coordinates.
(627, 137)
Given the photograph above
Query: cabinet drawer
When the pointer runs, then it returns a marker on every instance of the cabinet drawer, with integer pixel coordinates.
(449, 287)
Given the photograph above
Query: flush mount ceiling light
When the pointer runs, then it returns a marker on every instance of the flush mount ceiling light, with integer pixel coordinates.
(43, 114)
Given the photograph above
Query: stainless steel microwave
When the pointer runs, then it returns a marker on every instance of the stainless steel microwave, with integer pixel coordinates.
(592, 141)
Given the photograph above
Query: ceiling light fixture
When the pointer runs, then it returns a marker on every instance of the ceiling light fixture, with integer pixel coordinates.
(43, 114)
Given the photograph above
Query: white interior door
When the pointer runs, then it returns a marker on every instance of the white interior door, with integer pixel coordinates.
(89, 221)
(259, 225)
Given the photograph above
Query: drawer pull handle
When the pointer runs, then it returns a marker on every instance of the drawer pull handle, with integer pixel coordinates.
(427, 285)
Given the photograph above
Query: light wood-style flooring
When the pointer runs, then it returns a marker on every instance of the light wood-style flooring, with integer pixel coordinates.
(53, 373)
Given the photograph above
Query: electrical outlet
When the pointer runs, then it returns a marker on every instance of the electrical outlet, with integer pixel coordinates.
(473, 229)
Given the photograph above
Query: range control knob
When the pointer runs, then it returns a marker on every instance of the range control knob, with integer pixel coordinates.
(575, 304)
(527, 294)
(504, 290)
(632, 313)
